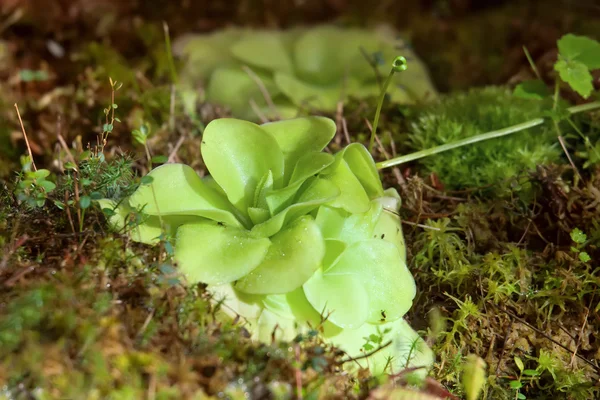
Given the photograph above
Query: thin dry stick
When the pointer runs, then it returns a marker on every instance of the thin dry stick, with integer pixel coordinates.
(345, 130)
(431, 228)
(539, 331)
(18, 275)
(263, 90)
(339, 111)
(506, 337)
(145, 324)
(25, 136)
(68, 209)
(172, 110)
(365, 355)
(578, 342)
(76, 174)
(257, 111)
(173, 154)
(562, 143)
(63, 144)
(10, 250)
(152, 387)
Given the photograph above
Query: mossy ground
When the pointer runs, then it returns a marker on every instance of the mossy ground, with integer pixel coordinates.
(85, 313)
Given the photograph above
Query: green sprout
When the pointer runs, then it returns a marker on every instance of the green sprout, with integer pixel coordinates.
(275, 73)
(33, 187)
(578, 56)
(288, 234)
(580, 239)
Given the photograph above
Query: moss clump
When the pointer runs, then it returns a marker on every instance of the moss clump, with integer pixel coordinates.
(508, 282)
(494, 162)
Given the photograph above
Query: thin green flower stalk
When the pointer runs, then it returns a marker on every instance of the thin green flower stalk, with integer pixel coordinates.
(479, 138)
(398, 65)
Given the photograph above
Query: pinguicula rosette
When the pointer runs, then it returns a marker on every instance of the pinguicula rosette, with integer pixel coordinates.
(288, 233)
(308, 68)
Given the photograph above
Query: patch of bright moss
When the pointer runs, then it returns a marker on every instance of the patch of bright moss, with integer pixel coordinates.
(499, 161)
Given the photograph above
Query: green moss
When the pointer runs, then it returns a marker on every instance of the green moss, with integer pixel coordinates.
(503, 161)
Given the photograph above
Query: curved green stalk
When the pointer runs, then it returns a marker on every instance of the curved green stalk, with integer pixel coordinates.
(479, 138)
(398, 65)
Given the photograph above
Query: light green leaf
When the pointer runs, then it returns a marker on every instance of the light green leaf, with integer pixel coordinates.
(299, 136)
(328, 54)
(286, 316)
(216, 254)
(258, 215)
(47, 185)
(353, 197)
(292, 305)
(331, 221)
(307, 95)
(85, 202)
(515, 384)
(408, 349)
(235, 303)
(349, 228)
(295, 254)
(333, 250)
(264, 50)
(308, 166)
(362, 165)
(532, 89)
(577, 75)
(238, 154)
(519, 363)
(234, 88)
(316, 55)
(204, 53)
(140, 227)
(176, 189)
(580, 48)
(313, 193)
(40, 174)
(343, 298)
(379, 267)
(389, 228)
(264, 187)
(578, 236)
(278, 200)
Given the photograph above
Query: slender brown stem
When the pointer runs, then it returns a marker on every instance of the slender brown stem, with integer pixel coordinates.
(25, 136)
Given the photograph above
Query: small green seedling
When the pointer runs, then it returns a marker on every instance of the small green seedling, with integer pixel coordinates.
(28, 75)
(577, 57)
(580, 239)
(33, 187)
(525, 377)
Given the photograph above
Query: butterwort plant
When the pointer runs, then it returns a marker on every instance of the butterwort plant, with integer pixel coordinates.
(292, 236)
(288, 234)
(299, 69)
